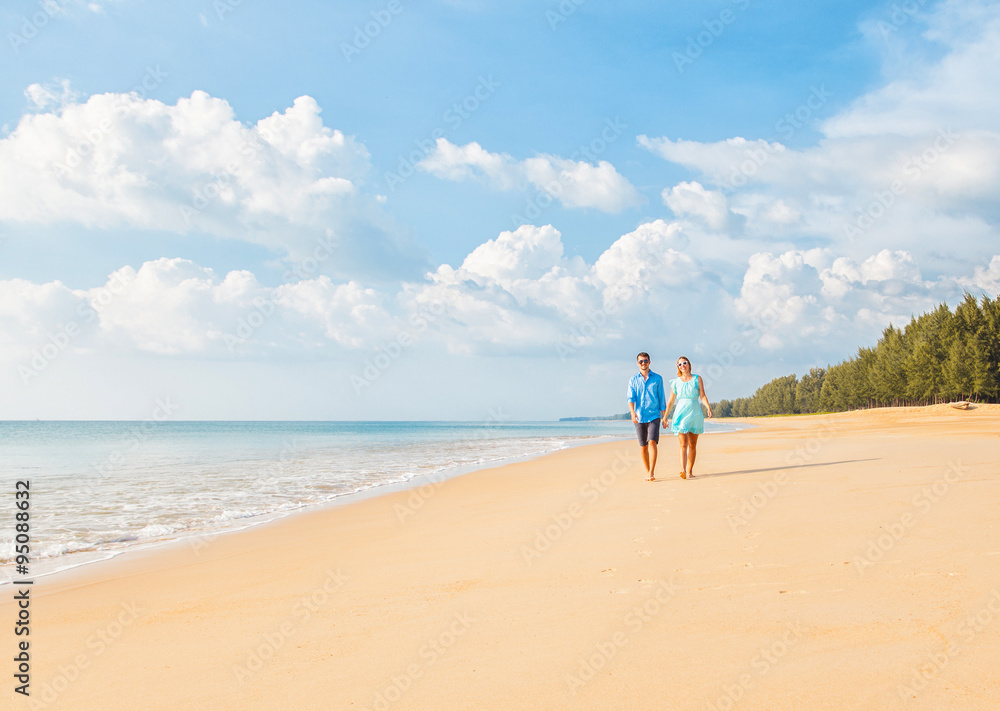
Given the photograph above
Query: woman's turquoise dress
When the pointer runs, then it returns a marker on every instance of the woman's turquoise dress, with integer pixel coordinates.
(688, 416)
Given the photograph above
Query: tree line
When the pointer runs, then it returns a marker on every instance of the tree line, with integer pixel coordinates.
(939, 356)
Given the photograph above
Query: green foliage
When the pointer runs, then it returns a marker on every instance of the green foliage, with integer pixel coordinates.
(887, 378)
(807, 390)
(778, 396)
(938, 356)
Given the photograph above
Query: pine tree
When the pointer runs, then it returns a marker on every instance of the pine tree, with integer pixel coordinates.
(924, 366)
(958, 372)
(939, 354)
(988, 349)
(808, 389)
(886, 377)
(834, 395)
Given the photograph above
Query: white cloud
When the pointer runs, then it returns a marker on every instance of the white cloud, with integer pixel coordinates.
(508, 292)
(453, 162)
(29, 311)
(649, 258)
(174, 307)
(50, 96)
(914, 166)
(693, 199)
(580, 184)
(573, 183)
(907, 165)
(528, 253)
(517, 292)
(287, 182)
(350, 314)
(800, 297)
(160, 307)
(985, 279)
(925, 95)
(515, 295)
(727, 162)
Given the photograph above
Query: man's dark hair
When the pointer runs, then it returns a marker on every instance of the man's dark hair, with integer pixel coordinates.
(643, 354)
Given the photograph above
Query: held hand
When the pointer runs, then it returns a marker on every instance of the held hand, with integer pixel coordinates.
(665, 422)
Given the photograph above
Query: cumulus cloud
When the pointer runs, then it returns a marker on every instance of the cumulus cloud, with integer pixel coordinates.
(453, 162)
(985, 279)
(526, 254)
(516, 294)
(42, 97)
(174, 307)
(925, 94)
(520, 293)
(287, 182)
(573, 183)
(710, 206)
(798, 297)
(508, 292)
(905, 166)
(30, 311)
(650, 258)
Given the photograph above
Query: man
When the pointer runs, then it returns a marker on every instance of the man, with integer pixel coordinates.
(647, 402)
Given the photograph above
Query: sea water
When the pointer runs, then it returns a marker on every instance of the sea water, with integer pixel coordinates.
(98, 489)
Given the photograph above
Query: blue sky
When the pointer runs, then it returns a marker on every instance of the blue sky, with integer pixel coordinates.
(386, 210)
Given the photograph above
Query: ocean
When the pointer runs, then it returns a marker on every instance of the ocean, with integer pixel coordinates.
(99, 489)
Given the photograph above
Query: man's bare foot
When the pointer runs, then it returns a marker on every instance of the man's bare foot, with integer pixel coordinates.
(683, 475)
(650, 478)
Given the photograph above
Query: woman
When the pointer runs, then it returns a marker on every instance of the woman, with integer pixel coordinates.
(688, 422)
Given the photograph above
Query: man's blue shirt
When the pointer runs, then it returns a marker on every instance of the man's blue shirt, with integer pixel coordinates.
(648, 396)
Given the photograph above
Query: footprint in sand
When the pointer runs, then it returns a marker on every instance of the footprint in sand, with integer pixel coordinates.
(644, 554)
(654, 528)
(620, 591)
(608, 571)
(638, 539)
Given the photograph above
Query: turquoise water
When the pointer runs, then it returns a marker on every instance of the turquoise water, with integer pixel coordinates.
(101, 488)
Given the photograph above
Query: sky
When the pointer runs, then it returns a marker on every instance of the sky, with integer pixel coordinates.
(474, 209)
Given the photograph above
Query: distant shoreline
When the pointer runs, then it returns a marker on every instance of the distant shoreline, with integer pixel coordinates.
(623, 416)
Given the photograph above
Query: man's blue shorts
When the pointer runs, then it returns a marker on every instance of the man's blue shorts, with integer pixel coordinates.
(647, 432)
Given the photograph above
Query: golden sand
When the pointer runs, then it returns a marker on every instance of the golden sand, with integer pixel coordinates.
(847, 561)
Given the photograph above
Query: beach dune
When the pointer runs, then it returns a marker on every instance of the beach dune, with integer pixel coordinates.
(845, 561)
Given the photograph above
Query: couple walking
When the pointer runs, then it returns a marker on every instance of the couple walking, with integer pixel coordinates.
(649, 408)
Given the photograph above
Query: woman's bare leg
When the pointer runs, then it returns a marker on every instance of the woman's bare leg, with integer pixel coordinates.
(692, 453)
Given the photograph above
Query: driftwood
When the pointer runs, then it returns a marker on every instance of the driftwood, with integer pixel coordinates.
(962, 405)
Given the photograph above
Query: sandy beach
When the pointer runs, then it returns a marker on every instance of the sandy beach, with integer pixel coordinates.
(845, 561)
